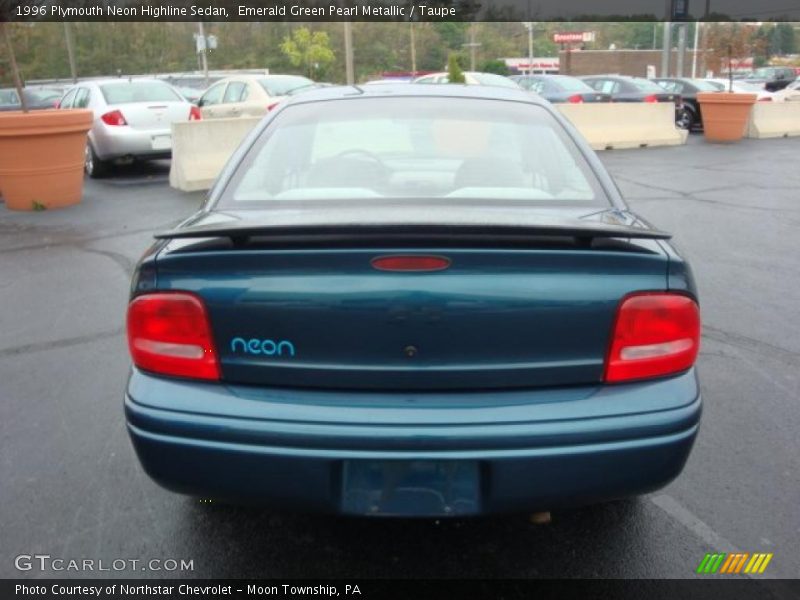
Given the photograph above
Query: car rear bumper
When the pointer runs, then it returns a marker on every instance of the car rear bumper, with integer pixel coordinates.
(112, 143)
(524, 459)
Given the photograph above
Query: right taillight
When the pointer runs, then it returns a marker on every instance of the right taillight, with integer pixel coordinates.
(195, 114)
(169, 333)
(114, 117)
(655, 334)
(575, 99)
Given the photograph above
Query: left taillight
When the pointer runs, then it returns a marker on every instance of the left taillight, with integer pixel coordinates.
(195, 114)
(576, 99)
(651, 98)
(272, 106)
(115, 118)
(655, 334)
(170, 333)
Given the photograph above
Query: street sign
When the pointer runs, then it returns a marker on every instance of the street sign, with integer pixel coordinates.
(573, 37)
(680, 10)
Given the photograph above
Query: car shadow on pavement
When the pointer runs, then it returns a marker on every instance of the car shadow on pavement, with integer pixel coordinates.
(250, 542)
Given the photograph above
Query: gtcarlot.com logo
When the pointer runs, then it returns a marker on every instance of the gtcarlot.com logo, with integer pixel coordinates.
(46, 562)
(734, 563)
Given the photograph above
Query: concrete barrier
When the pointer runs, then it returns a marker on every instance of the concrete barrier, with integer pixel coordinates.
(617, 125)
(774, 119)
(201, 148)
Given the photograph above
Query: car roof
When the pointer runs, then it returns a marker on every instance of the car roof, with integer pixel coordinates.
(256, 77)
(115, 80)
(405, 90)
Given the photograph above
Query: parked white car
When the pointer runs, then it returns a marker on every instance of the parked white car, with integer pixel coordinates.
(742, 87)
(470, 78)
(132, 120)
(791, 93)
(249, 95)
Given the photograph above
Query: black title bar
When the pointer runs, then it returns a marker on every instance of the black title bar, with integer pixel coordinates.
(396, 10)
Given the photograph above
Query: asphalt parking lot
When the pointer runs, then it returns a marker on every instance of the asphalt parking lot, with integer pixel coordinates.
(72, 487)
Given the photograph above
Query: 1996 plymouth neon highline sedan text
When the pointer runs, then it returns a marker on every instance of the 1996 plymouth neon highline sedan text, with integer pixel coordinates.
(413, 300)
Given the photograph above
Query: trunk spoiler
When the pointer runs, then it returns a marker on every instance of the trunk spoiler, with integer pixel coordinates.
(300, 224)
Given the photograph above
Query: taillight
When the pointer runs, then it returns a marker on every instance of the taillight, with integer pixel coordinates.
(576, 99)
(114, 118)
(410, 263)
(271, 106)
(195, 114)
(655, 334)
(651, 98)
(169, 333)
(57, 104)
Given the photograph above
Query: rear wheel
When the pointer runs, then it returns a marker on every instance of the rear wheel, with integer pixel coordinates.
(685, 119)
(94, 166)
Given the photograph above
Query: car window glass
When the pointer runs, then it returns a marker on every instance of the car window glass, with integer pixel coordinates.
(127, 92)
(68, 99)
(234, 91)
(213, 95)
(415, 148)
(9, 98)
(81, 98)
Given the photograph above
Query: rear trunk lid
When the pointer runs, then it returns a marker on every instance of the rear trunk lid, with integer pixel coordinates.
(509, 311)
(151, 116)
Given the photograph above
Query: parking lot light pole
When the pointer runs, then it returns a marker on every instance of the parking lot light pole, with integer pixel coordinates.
(348, 53)
(666, 49)
(203, 44)
(73, 71)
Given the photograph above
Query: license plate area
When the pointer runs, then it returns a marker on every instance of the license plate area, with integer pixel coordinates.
(427, 488)
(162, 142)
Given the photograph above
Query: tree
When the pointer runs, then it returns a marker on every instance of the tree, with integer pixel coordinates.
(454, 72)
(494, 66)
(731, 42)
(311, 50)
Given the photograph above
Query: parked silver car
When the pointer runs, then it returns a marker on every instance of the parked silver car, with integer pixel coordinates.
(133, 119)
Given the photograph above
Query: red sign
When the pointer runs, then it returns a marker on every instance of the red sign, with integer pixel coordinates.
(573, 37)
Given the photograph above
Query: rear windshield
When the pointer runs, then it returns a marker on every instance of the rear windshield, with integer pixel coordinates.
(646, 85)
(126, 92)
(495, 80)
(281, 86)
(9, 98)
(571, 84)
(414, 148)
(704, 86)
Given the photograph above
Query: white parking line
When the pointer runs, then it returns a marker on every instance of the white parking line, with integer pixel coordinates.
(702, 530)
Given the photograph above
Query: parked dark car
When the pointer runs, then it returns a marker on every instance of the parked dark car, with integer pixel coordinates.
(35, 99)
(560, 88)
(413, 300)
(630, 89)
(689, 116)
(772, 79)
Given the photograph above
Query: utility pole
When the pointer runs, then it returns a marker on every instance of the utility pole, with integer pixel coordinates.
(666, 50)
(681, 49)
(697, 25)
(73, 71)
(202, 44)
(413, 49)
(472, 45)
(348, 52)
(529, 26)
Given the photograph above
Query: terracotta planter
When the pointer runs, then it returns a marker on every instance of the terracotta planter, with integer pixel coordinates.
(725, 114)
(41, 157)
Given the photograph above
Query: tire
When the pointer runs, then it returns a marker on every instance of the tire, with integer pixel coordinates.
(685, 119)
(92, 165)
